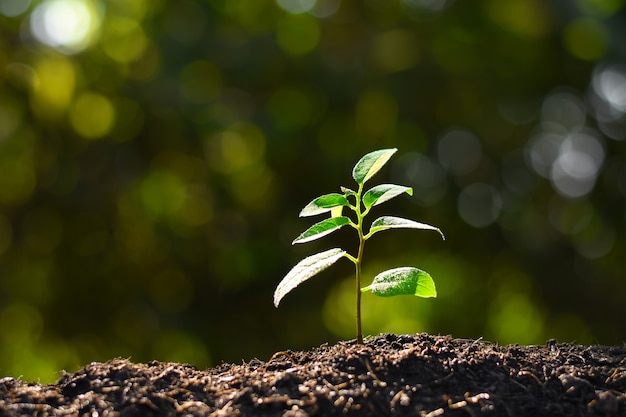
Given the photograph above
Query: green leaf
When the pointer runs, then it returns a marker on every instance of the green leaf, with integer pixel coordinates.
(304, 270)
(324, 204)
(321, 229)
(389, 222)
(403, 281)
(384, 192)
(370, 164)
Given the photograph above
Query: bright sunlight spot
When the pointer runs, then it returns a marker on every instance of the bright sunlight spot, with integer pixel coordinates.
(610, 86)
(67, 25)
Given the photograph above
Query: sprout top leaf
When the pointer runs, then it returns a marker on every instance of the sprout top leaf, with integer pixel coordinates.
(370, 164)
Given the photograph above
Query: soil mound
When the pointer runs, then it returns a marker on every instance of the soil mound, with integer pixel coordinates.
(389, 375)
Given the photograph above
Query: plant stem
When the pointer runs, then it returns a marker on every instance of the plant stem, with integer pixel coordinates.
(359, 333)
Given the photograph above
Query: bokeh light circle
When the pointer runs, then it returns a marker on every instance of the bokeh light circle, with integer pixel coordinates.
(479, 205)
(66, 25)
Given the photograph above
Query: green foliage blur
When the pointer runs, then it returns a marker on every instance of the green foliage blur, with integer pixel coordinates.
(154, 156)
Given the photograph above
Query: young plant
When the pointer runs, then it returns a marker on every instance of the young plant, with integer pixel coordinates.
(399, 281)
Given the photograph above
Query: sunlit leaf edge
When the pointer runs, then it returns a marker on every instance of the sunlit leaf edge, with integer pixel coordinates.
(321, 229)
(370, 164)
(391, 222)
(384, 192)
(305, 269)
(324, 204)
(403, 281)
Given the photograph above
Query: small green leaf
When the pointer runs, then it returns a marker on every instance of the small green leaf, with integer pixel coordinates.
(389, 222)
(304, 270)
(370, 164)
(324, 204)
(383, 192)
(321, 229)
(403, 281)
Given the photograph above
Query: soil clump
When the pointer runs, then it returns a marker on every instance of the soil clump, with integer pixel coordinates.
(389, 375)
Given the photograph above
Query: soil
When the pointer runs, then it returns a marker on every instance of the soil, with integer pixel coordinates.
(389, 375)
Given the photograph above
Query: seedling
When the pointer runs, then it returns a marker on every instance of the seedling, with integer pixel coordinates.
(398, 281)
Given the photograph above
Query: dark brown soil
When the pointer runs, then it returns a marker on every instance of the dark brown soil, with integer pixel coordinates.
(409, 375)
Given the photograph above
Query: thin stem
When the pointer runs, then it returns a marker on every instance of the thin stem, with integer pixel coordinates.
(359, 228)
(359, 333)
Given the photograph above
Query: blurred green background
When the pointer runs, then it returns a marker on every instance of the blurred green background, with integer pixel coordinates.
(154, 157)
